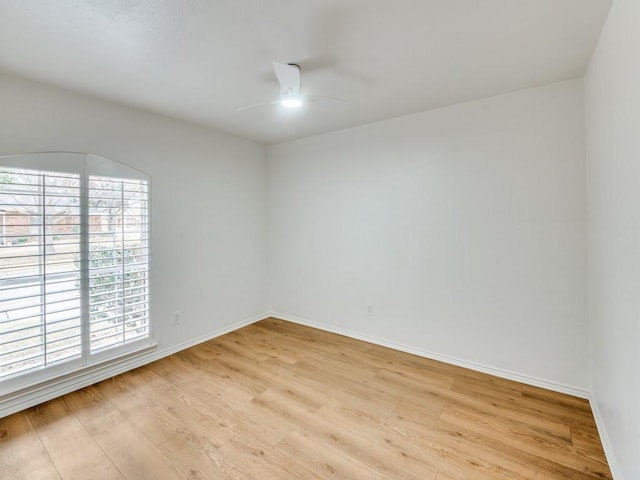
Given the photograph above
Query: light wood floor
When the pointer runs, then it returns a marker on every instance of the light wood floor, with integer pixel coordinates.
(280, 401)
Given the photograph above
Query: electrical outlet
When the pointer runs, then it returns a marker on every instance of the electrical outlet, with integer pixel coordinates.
(177, 320)
(370, 310)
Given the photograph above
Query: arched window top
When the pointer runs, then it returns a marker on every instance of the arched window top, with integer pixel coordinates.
(72, 162)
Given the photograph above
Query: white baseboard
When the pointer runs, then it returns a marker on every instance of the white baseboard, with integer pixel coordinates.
(614, 466)
(34, 395)
(498, 372)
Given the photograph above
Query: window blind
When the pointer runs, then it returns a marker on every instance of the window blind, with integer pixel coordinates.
(74, 264)
(118, 261)
(40, 310)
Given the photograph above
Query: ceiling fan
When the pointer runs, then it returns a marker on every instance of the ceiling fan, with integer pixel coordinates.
(291, 96)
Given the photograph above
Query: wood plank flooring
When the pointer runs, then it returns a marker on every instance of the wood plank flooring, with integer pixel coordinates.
(276, 400)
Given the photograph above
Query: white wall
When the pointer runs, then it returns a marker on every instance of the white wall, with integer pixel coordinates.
(209, 218)
(463, 226)
(612, 97)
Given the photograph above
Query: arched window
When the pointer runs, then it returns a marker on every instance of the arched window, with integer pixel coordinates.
(74, 264)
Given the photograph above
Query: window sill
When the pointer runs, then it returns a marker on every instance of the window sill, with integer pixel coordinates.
(40, 391)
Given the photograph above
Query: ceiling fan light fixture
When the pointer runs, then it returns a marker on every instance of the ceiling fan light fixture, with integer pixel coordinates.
(291, 102)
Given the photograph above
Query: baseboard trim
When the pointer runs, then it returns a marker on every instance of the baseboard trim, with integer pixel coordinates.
(209, 336)
(498, 372)
(609, 452)
(34, 395)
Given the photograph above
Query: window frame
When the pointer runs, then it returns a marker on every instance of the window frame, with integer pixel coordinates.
(84, 165)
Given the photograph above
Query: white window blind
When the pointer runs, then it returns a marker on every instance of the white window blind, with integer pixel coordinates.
(119, 261)
(74, 266)
(40, 313)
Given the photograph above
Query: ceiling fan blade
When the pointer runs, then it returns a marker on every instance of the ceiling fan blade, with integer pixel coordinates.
(288, 76)
(327, 104)
(263, 104)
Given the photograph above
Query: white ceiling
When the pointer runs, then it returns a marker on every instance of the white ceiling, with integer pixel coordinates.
(199, 60)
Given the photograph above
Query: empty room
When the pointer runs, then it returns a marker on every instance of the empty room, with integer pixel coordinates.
(317, 239)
